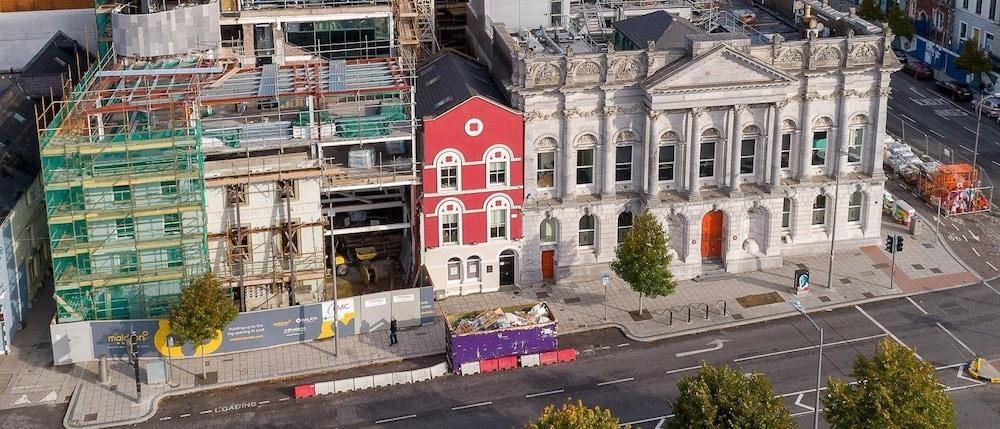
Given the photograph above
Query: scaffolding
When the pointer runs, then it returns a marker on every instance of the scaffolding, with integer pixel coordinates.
(415, 28)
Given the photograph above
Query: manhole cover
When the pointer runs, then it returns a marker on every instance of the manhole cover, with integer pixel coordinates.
(749, 301)
(90, 417)
(868, 273)
(573, 300)
(868, 295)
(737, 316)
(824, 298)
(880, 266)
(918, 266)
(936, 270)
(542, 295)
(846, 281)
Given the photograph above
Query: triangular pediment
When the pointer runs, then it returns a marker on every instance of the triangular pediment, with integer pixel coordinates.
(721, 67)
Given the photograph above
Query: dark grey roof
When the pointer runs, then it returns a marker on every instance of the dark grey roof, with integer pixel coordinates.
(57, 56)
(19, 161)
(449, 78)
(661, 27)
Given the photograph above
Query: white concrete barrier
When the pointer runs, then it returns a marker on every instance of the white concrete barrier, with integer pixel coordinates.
(366, 382)
(342, 386)
(530, 360)
(470, 368)
(402, 377)
(325, 388)
(439, 369)
(381, 380)
(421, 374)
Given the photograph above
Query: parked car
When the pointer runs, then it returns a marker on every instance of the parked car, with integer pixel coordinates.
(958, 91)
(900, 55)
(990, 105)
(919, 69)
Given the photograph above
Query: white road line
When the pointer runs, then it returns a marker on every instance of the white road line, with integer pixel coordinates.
(916, 305)
(937, 134)
(852, 340)
(185, 415)
(410, 416)
(973, 235)
(616, 381)
(962, 376)
(956, 339)
(798, 401)
(605, 347)
(205, 412)
(890, 334)
(801, 392)
(997, 163)
(263, 402)
(690, 368)
(991, 288)
(283, 399)
(977, 253)
(914, 90)
(969, 130)
(965, 147)
(802, 413)
(908, 118)
(651, 419)
(991, 266)
(951, 389)
(954, 365)
(165, 418)
(481, 404)
(623, 345)
(551, 392)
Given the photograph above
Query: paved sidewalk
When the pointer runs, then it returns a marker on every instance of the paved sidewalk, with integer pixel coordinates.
(97, 405)
(860, 274)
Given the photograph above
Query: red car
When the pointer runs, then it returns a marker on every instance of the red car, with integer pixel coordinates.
(919, 70)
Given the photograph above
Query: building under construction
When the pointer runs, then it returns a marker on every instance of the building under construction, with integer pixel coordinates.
(267, 165)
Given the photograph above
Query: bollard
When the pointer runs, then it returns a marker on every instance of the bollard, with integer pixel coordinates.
(689, 314)
(725, 309)
(671, 320)
(102, 369)
(706, 311)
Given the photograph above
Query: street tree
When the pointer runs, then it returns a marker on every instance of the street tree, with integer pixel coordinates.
(642, 259)
(204, 309)
(900, 24)
(894, 389)
(870, 11)
(575, 416)
(722, 398)
(972, 59)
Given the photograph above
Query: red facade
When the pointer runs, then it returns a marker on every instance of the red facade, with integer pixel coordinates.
(468, 137)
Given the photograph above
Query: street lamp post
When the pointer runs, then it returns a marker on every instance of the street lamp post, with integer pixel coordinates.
(605, 279)
(975, 148)
(819, 365)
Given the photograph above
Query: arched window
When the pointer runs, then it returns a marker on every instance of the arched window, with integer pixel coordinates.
(787, 130)
(547, 230)
(585, 159)
(819, 210)
(706, 156)
(820, 140)
(454, 270)
(588, 230)
(624, 225)
(856, 141)
(545, 168)
(472, 266)
(665, 161)
(497, 166)
(786, 213)
(623, 156)
(450, 220)
(499, 215)
(449, 170)
(748, 149)
(854, 206)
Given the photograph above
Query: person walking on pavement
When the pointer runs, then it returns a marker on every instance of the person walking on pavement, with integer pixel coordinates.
(392, 332)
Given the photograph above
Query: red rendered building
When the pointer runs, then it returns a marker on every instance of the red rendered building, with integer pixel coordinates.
(470, 203)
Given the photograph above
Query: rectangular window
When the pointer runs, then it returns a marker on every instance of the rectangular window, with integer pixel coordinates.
(965, 4)
(748, 152)
(285, 189)
(855, 144)
(666, 163)
(546, 171)
(556, 13)
(125, 228)
(172, 224)
(175, 258)
(449, 228)
(472, 269)
(448, 178)
(786, 150)
(454, 270)
(498, 173)
(819, 211)
(623, 164)
(988, 44)
(993, 10)
(819, 148)
(854, 208)
(786, 213)
(706, 162)
(498, 223)
(128, 262)
(963, 30)
(168, 187)
(236, 194)
(979, 7)
(122, 193)
(584, 166)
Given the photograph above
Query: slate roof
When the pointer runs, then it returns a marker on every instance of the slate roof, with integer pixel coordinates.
(57, 57)
(660, 27)
(449, 78)
(19, 161)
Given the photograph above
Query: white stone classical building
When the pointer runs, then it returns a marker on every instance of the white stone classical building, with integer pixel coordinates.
(733, 142)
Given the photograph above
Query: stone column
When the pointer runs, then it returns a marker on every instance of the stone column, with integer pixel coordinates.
(739, 112)
(607, 180)
(652, 170)
(805, 141)
(567, 160)
(775, 132)
(838, 151)
(681, 155)
(694, 145)
(877, 132)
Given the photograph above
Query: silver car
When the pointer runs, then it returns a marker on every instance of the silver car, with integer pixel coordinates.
(990, 105)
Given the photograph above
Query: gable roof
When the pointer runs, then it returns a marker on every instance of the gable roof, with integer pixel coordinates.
(720, 67)
(57, 57)
(19, 161)
(666, 30)
(449, 78)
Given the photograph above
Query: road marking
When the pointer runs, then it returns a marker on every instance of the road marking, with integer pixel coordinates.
(852, 340)
(802, 392)
(616, 381)
(651, 419)
(890, 334)
(481, 404)
(409, 416)
(916, 92)
(165, 418)
(997, 163)
(962, 376)
(205, 412)
(956, 339)
(974, 236)
(937, 134)
(283, 399)
(916, 305)
(802, 413)
(264, 402)
(991, 266)
(969, 130)
(716, 345)
(991, 288)
(185, 415)
(798, 401)
(954, 365)
(976, 252)
(551, 392)
(690, 368)
(908, 118)
(951, 389)
(623, 345)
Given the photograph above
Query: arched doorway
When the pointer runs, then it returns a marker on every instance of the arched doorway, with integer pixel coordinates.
(711, 235)
(507, 258)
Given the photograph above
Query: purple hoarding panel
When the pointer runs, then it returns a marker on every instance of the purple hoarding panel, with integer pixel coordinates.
(507, 342)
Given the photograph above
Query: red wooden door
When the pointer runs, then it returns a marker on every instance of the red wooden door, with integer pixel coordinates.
(711, 235)
(548, 264)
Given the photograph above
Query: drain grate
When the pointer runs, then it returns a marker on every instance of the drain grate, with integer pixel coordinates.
(572, 300)
(936, 270)
(868, 295)
(737, 316)
(824, 298)
(929, 245)
(918, 266)
(880, 266)
(868, 273)
(846, 281)
(542, 295)
(90, 417)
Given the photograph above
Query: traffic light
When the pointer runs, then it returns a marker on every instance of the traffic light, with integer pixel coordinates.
(889, 243)
(899, 244)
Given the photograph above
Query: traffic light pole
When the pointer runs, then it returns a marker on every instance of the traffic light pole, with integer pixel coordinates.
(893, 245)
(892, 273)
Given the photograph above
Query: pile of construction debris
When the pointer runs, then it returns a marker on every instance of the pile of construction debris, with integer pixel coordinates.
(499, 319)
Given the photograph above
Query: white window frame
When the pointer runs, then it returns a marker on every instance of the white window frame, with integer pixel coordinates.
(823, 210)
(591, 166)
(752, 156)
(963, 30)
(622, 230)
(786, 213)
(855, 208)
(497, 155)
(552, 171)
(785, 153)
(856, 141)
(627, 165)
(592, 232)
(442, 163)
(453, 263)
(498, 204)
(660, 164)
(443, 213)
(701, 157)
(555, 231)
(473, 264)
